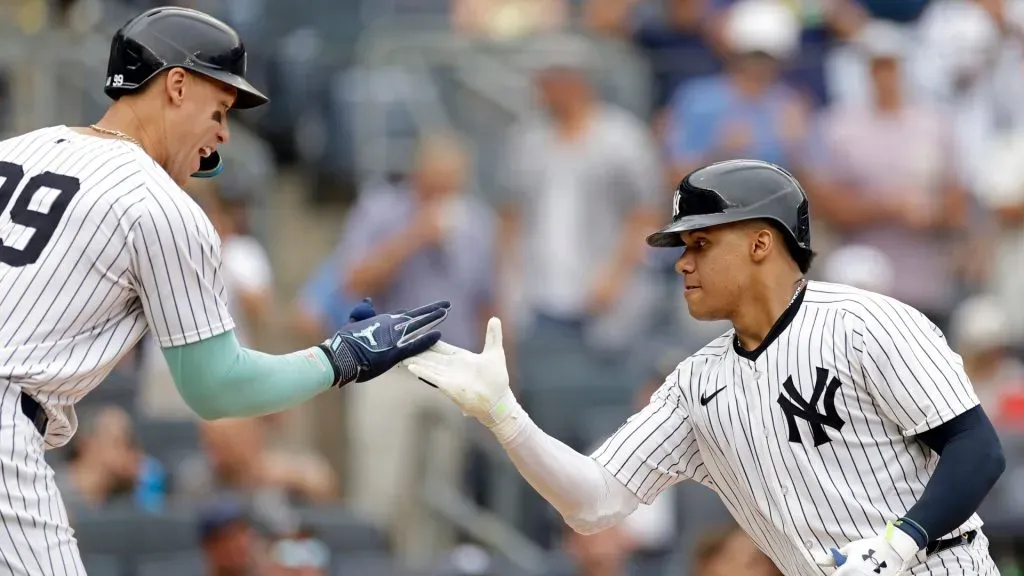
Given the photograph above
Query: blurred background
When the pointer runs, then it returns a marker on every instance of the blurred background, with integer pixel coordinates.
(509, 155)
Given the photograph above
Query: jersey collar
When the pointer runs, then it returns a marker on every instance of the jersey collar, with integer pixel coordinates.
(778, 328)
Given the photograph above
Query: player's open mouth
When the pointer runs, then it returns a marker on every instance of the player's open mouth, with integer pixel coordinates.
(690, 289)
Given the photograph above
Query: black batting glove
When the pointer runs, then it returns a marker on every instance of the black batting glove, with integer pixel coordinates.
(367, 348)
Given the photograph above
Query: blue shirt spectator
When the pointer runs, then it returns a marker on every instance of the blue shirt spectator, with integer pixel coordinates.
(709, 118)
(746, 112)
(425, 241)
(820, 33)
(676, 43)
(323, 299)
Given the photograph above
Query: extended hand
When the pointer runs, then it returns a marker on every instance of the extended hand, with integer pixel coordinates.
(887, 554)
(369, 347)
(477, 383)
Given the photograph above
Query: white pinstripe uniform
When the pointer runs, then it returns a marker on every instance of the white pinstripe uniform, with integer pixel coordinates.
(98, 245)
(809, 439)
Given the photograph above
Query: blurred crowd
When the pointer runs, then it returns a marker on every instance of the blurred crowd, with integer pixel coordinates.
(903, 119)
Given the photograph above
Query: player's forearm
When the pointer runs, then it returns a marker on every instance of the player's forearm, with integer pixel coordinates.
(970, 461)
(218, 378)
(587, 496)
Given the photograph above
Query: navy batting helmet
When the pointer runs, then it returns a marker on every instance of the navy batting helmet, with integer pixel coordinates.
(170, 37)
(738, 190)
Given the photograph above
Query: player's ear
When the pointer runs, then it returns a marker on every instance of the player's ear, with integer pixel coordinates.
(176, 82)
(761, 244)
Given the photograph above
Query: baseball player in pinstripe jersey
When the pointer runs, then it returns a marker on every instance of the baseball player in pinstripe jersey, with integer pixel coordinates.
(99, 243)
(836, 424)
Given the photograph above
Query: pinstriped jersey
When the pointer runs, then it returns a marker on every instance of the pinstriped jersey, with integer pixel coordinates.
(97, 245)
(808, 440)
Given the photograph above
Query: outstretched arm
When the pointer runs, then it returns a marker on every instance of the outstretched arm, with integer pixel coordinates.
(591, 493)
(218, 378)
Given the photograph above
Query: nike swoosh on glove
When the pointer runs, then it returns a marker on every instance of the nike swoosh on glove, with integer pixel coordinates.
(367, 348)
(890, 553)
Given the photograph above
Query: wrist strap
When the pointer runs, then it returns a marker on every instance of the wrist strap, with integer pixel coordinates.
(506, 418)
(346, 368)
(913, 529)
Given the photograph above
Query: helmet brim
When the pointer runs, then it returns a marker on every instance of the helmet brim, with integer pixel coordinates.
(669, 236)
(248, 96)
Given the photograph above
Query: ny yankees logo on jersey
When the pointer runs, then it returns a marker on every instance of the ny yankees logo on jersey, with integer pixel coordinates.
(808, 409)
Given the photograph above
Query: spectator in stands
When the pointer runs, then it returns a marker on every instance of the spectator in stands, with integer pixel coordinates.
(747, 112)
(1002, 191)
(859, 266)
(104, 463)
(677, 43)
(299, 555)
(509, 18)
(427, 238)
(895, 184)
(231, 546)
(806, 70)
(322, 306)
(581, 184)
(730, 552)
(237, 460)
(979, 330)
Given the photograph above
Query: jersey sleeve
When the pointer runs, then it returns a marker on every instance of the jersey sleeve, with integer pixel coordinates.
(656, 447)
(175, 259)
(910, 370)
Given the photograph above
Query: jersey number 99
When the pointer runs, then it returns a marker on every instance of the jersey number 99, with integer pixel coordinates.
(43, 223)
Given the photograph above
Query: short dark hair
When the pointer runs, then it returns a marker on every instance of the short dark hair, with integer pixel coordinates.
(803, 257)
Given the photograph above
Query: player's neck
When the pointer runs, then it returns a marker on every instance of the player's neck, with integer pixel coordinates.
(761, 309)
(128, 121)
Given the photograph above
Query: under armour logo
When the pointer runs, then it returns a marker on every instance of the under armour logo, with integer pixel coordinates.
(368, 333)
(807, 409)
(870, 557)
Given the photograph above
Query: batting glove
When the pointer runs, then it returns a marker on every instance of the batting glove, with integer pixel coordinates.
(888, 554)
(477, 383)
(372, 344)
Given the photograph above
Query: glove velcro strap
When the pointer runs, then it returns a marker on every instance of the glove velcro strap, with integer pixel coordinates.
(346, 367)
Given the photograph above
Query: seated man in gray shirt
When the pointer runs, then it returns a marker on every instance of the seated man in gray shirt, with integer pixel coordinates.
(400, 245)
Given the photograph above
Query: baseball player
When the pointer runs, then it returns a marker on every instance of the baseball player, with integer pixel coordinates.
(99, 243)
(836, 424)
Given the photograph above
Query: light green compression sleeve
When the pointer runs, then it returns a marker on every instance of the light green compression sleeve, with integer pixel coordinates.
(218, 378)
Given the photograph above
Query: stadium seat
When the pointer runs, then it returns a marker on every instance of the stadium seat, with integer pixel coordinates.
(127, 533)
(366, 564)
(106, 564)
(343, 531)
(171, 565)
(169, 441)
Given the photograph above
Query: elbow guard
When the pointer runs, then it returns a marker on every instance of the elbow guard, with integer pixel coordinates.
(612, 507)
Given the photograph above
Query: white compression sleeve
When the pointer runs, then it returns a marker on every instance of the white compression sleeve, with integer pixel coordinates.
(587, 496)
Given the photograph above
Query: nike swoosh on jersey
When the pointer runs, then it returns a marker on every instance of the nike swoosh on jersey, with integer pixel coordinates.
(705, 399)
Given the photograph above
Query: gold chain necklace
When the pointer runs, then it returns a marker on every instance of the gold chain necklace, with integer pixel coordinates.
(116, 133)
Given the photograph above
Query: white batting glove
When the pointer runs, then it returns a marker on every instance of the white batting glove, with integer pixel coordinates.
(477, 383)
(888, 554)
